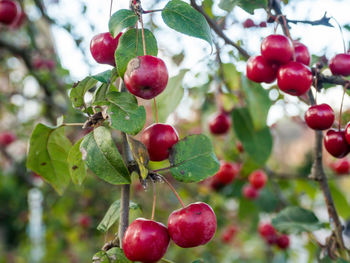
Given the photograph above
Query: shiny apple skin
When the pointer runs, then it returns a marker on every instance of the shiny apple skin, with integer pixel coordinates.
(294, 78)
(193, 225)
(319, 117)
(146, 241)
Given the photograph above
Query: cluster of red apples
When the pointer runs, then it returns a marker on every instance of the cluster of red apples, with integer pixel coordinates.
(146, 77)
(321, 116)
(257, 181)
(193, 225)
(272, 237)
(11, 13)
(288, 62)
(284, 60)
(147, 240)
(248, 23)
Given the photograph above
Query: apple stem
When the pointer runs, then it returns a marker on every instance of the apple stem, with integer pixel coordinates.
(143, 36)
(316, 86)
(341, 32)
(173, 189)
(154, 200)
(110, 8)
(156, 109)
(341, 106)
(286, 30)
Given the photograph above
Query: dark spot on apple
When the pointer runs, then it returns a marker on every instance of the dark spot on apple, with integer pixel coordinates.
(132, 65)
(198, 213)
(43, 164)
(74, 167)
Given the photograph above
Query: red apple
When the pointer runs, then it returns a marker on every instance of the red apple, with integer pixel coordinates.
(248, 23)
(302, 54)
(6, 138)
(294, 78)
(146, 76)
(8, 11)
(159, 138)
(228, 234)
(340, 64)
(277, 49)
(226, 174)
(260, 70)
(335, 143)
(250, 192)
(146, 241)
(258, 179)
(103, 46)
(341, 166)
(319, 117)
(193, 225)
(283, 242)
(263, 24)
(219, 123)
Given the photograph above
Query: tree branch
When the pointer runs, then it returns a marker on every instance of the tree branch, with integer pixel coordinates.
(317, 172)
(218, 30)
(324, 21)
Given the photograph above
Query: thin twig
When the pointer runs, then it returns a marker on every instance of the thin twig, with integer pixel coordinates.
(218, 30)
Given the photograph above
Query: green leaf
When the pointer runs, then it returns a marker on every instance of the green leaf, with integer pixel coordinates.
(76, 165)
(170, 98)
(100, 93)
(124, 112)
(102, 157)
(193, 159)
(228, 5)
(126, 49)
(79, 89)
(103, 77)
(295, 220)
(113, 255)
(140, 153)
(258, 102)
(257, 143)
(183, 18)
(121, 19)
(47, 156)
(248, 6)
(251, 5)
(231, 76)
(267, 200)
(112, 215)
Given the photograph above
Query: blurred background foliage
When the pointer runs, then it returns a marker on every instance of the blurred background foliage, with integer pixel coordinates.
(33, 88)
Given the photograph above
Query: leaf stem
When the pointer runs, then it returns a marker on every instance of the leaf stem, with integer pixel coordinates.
(154, 200)
(173, 189)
